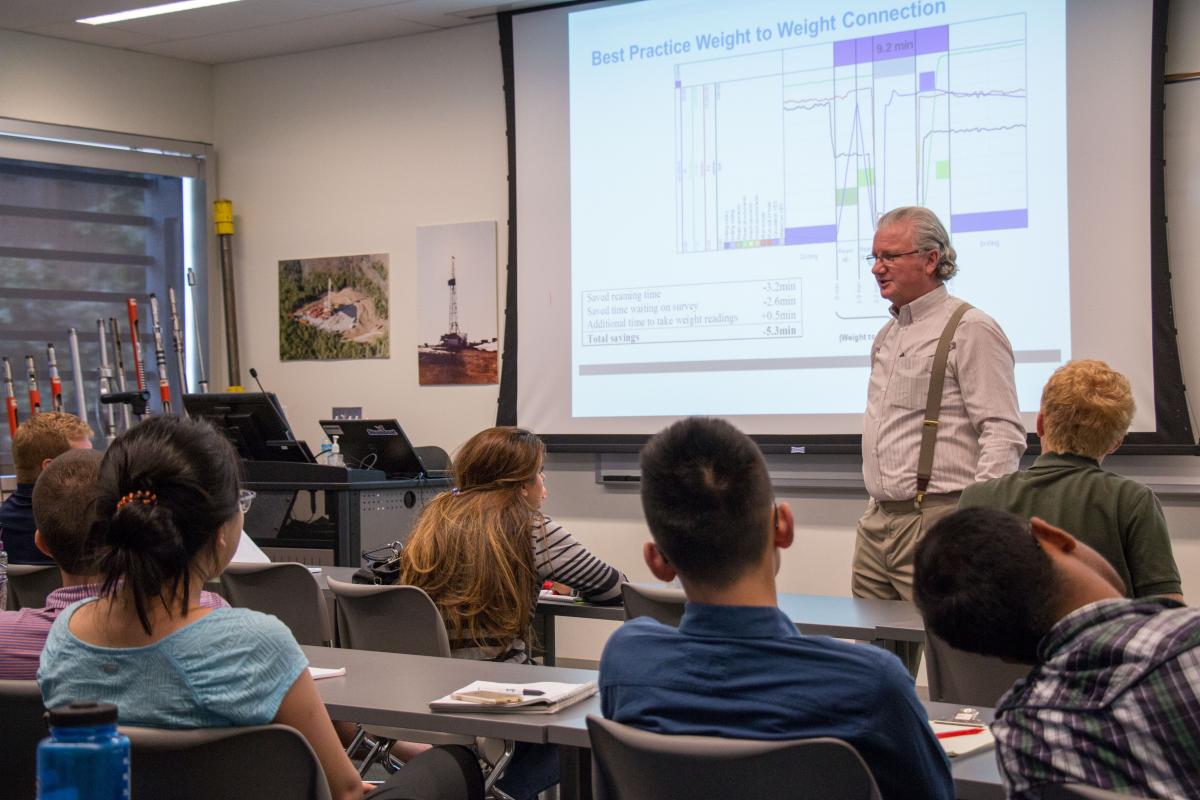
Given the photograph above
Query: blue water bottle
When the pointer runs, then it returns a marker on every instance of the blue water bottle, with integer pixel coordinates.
(84, 758)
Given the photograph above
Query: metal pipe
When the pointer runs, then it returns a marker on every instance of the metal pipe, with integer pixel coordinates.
(202, 383)
(105, 418)
(77, 374)
(119, 368)
(177, 343)
(35, 397)
(10, 396)
(223, 221)
(56, 401)
(160, 356)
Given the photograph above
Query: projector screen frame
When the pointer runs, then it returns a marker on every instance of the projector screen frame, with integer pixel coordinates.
(1173, 435)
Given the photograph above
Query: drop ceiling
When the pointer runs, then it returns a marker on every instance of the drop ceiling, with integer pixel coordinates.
(247, 29)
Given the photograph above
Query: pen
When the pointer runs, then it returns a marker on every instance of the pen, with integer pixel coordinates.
(532, 693)
(963, 732)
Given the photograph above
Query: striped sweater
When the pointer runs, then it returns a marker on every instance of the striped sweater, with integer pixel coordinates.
(558, 557)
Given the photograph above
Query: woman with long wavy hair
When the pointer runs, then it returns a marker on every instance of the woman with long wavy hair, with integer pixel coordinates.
(483, 550)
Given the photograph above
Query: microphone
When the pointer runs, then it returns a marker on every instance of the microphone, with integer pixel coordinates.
(254, 374)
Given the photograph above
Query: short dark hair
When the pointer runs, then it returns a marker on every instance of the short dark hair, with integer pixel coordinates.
(166, 487)
(984, 584)
(707, 499)
(64, 504)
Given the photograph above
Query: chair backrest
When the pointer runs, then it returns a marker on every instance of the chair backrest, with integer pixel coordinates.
(632, 764)
(956, 676)
(1077, 791)
(390, 619)
(287, 590)
(204, 763)
(22, 726)
(28, 584)
(662, 604)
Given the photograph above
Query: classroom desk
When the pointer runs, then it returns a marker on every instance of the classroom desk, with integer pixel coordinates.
(815, 615)
(395, 690)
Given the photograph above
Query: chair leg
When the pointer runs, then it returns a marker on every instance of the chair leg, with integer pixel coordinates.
(497, 772)
(356, 742)
(380, 748)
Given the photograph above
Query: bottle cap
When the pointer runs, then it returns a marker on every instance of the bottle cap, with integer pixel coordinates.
(82, 714)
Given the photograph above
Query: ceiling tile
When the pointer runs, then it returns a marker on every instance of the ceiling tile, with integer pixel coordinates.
(292, 37)
(93, 34)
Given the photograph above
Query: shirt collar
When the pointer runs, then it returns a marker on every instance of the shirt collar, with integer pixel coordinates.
(1081, 619)
(735, 622)
(1064, 460)
(923, 306)
(63, 596)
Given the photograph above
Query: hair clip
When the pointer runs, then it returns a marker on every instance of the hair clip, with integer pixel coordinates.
(455, 491)
(144, 496)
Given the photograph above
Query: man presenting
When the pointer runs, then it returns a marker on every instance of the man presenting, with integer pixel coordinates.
(921, 446)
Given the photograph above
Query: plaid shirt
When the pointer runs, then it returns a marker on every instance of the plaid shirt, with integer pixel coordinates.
(1114, 703)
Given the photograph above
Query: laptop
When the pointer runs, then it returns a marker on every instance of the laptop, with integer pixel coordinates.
(379, 444)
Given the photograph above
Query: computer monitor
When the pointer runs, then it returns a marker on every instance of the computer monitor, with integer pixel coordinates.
(253, 421)
(377, 444)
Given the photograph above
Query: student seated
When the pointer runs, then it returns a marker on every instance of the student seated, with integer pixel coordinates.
(168, 517)
(1113, 700)
(35, 444)
(64, 499)
(482, 552)
(1086, 409)
(736, 666)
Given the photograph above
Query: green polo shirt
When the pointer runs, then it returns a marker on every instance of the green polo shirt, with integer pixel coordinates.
(1118, 517)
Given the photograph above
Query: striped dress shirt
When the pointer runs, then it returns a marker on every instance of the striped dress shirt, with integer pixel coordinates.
(1114, 703)
(980, 433)
(23, 633)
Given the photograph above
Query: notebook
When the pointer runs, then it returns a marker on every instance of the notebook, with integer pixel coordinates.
(545, 697)
(965, 744)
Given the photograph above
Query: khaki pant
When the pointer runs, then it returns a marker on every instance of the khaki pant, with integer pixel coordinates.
(883, 556)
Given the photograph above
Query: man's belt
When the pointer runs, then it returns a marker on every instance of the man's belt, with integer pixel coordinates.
(912, 504)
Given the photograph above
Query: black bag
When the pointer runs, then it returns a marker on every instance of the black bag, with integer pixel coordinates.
(382, 566)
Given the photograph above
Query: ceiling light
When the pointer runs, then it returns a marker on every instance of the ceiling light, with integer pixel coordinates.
(150, 11)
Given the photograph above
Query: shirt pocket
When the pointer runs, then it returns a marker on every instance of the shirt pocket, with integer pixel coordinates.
(909, 387)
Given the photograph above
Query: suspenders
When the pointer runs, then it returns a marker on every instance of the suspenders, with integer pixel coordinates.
(933, 403)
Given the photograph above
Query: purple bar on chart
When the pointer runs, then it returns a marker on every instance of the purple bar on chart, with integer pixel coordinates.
(933, 40)
(927, 84)
(904, 44)
(990, 220)
(890, 46)
(843, 53)
(812, 234)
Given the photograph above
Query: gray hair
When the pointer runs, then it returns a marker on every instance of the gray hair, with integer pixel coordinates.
(928, 234)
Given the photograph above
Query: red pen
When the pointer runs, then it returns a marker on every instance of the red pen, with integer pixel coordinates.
(963, 732)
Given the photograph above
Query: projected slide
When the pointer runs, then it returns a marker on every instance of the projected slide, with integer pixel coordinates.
(728, 168)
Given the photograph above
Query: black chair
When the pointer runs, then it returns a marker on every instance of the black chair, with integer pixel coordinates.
(956, 676)
(206, 763)
(286, 590)
(661, 603)
(632, 764)
(28, 584)
(22, 726)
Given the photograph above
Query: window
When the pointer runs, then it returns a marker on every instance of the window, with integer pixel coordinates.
(83, 227)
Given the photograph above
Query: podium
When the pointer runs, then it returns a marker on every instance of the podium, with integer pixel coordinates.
(320, 514)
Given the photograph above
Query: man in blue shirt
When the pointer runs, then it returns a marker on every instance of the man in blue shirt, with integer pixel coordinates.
(736, 666)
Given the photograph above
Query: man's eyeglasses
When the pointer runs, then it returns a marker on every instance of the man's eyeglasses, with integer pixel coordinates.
(245, 498)
(889, 258)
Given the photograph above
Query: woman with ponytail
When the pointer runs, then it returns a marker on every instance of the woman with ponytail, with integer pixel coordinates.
(168, 518)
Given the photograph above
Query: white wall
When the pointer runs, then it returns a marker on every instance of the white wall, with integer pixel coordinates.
(347, 151)
(69, 83)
